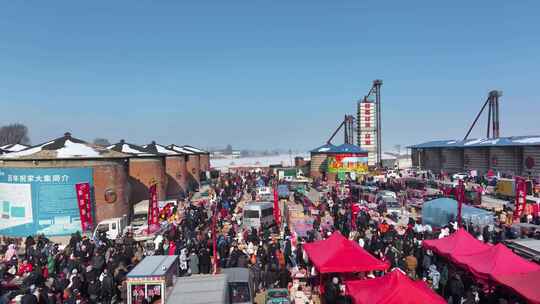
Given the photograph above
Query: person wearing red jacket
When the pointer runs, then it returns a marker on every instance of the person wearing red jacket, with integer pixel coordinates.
(25, 268)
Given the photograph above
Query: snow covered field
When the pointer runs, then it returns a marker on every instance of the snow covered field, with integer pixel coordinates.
(260, 161)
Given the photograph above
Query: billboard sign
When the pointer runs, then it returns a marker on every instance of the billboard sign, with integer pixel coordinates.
(348, 163)
(41, 200)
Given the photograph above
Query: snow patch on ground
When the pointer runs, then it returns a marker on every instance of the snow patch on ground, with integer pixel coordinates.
(258, 161)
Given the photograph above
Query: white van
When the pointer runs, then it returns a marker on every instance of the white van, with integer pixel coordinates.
(113, 227)
(257, 215)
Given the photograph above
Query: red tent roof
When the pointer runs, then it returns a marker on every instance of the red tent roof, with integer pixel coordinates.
(458, 243)
(392, 288)
(525, 284)
(338, 254)
(497, 260)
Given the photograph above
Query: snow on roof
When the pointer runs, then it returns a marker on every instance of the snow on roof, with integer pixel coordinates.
(179, 149)
(73, 149)
(324, 148)
(28, 151)
(482, 142)
(14, 147)
(153, 147)
(529, 140)
(347, 148)
(131, 149)
(64, 148)
(193, 149)
(472, 142)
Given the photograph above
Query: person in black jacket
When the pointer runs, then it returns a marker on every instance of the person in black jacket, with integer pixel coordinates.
(107, 286)
(331, 291)
(94, 291)
(456, 288)
(29, 298)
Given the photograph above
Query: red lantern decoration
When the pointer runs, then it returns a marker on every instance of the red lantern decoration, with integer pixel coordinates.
(529, 162)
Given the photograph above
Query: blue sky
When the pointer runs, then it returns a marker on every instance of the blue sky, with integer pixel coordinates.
(263, 74)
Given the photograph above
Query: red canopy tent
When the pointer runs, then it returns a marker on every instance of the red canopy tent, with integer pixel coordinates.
(392, 288)
(525, 284)
(340, 255)
(457, 244)
(497, 260)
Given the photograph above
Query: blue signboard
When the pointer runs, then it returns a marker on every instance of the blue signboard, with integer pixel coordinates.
(40, 200)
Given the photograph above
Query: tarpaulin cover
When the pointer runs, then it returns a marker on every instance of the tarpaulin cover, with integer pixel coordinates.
(497, 260)
(525, 284)
(458, 243)
(392, 288)
(440, 211)
(338, 254)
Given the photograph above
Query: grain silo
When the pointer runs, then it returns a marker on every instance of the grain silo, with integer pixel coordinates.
(204, 157)
(183, 178)
(175, 169)
(145, 169)
(318, 165)
(38, 186)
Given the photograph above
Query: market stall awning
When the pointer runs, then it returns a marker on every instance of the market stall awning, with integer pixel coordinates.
(338, 254)
(392, 288)
(458, 243)
(497, 260)
(525, 284)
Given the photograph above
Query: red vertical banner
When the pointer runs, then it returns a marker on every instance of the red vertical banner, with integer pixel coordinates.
(277, 211)
(153, 208)
(460, 195)
(85, 205)
(521, 197)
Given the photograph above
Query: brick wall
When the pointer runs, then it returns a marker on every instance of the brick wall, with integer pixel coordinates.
(143, 172)
(193, 170)
(205, 162)
(175, 167)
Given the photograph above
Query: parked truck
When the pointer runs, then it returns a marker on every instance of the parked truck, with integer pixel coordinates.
(506, 188)
(114, 228)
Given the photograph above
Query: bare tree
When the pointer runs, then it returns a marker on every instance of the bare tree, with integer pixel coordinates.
(103, 142)
(15, 133)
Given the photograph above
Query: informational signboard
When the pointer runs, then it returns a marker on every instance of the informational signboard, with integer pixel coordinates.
(347, 163)
(41, 200)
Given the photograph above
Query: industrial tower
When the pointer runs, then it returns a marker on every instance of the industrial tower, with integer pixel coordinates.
(369, 126)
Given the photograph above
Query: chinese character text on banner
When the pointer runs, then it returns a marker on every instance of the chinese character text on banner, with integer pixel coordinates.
(85, 207)
(153, 209)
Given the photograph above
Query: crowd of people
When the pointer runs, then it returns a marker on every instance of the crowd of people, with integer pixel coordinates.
(90, 270)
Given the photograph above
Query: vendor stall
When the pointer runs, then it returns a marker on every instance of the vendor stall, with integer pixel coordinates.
(152, 279)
